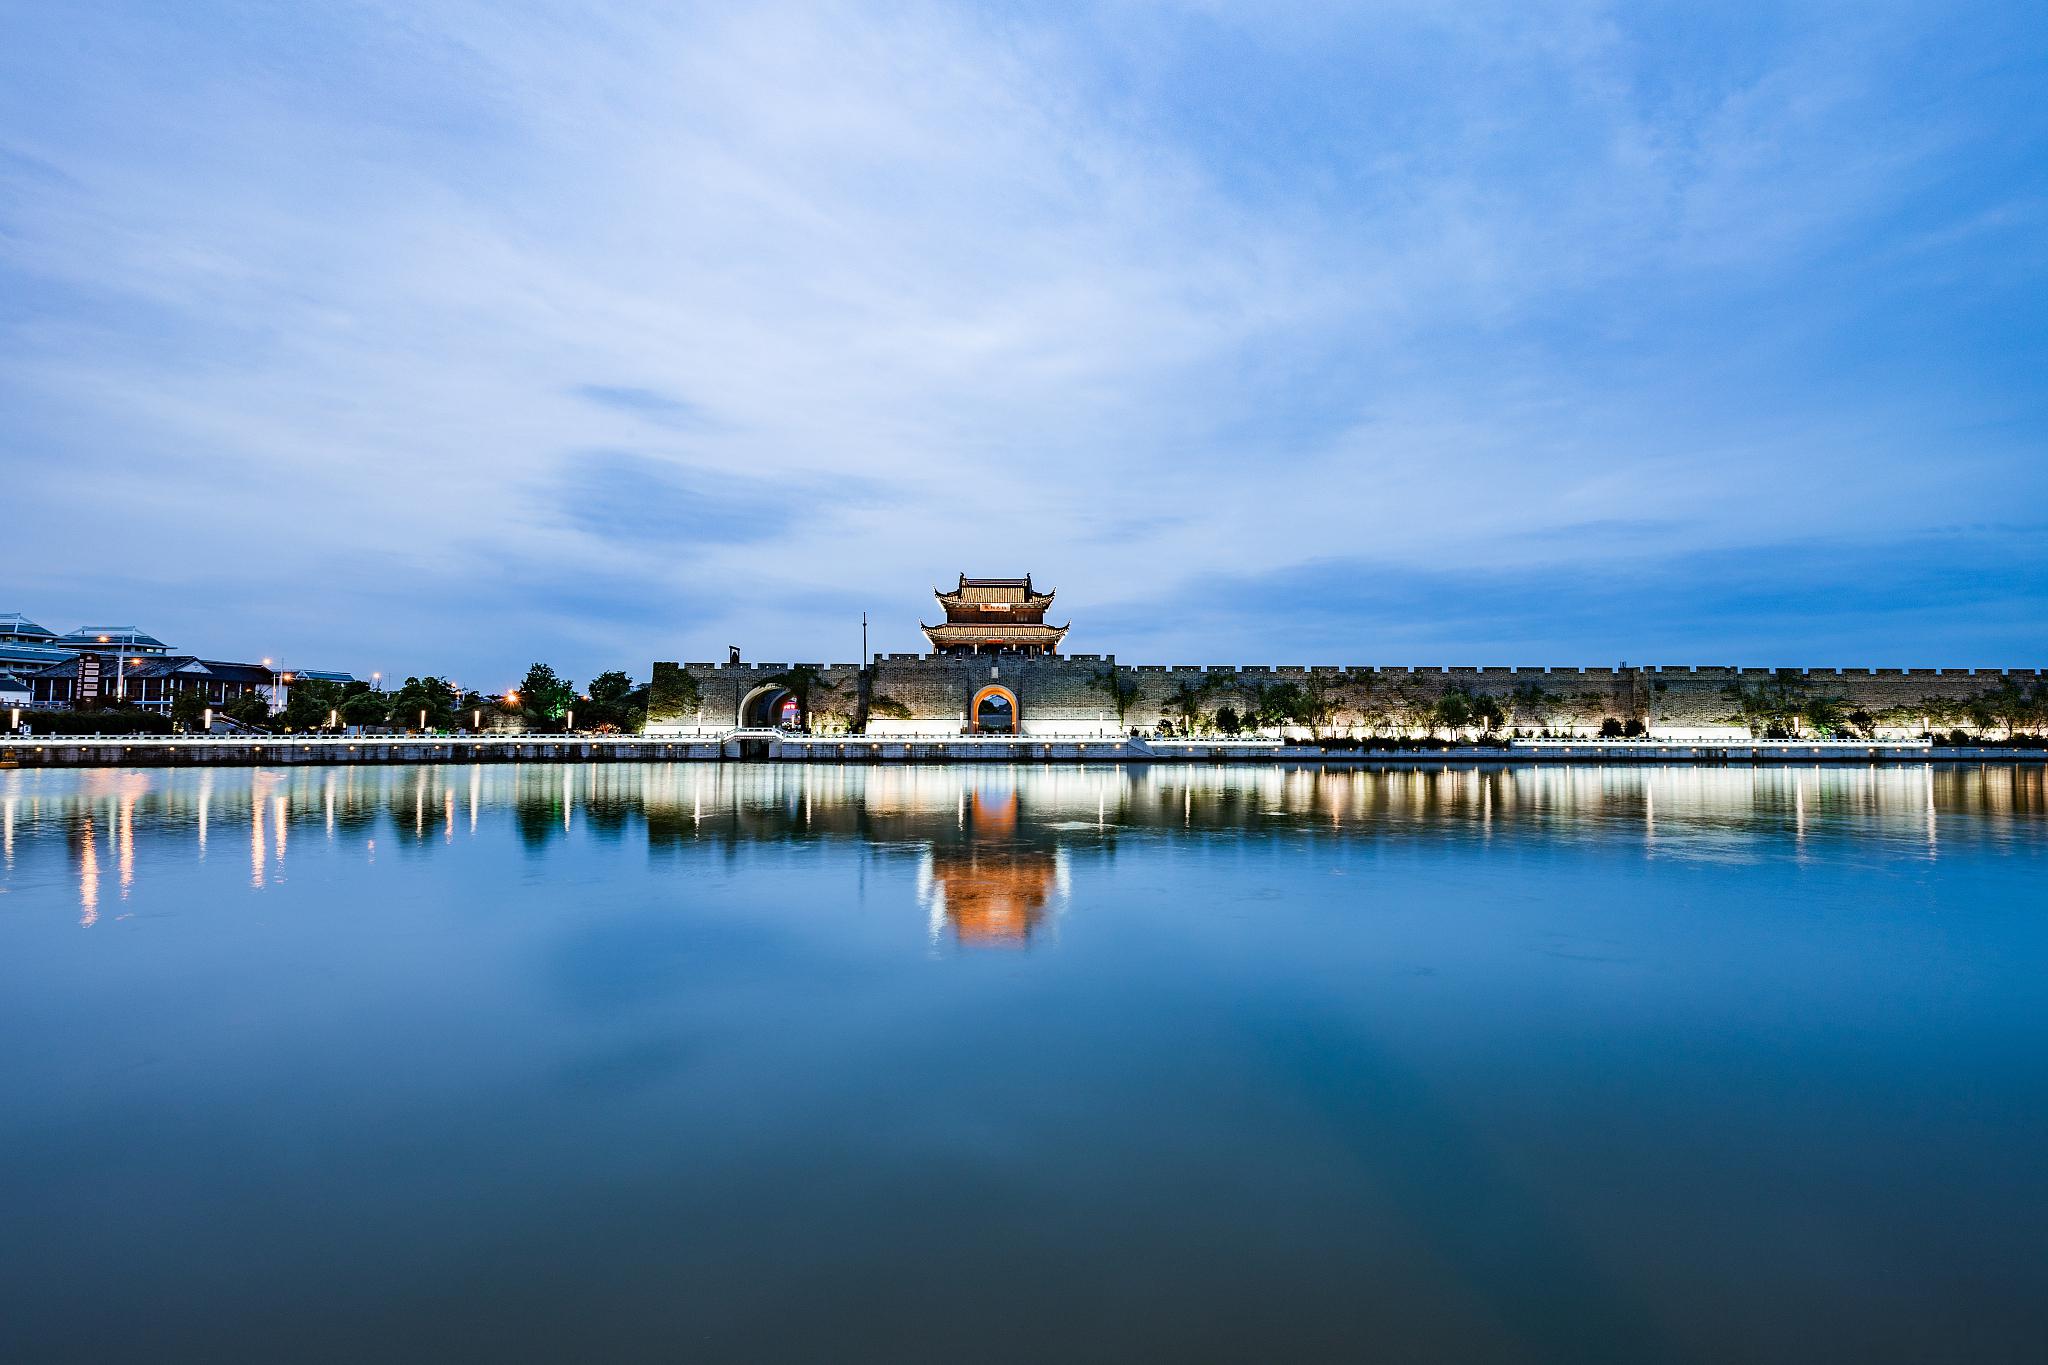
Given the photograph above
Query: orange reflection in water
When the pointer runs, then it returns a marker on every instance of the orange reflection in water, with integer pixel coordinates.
(991, 891)
(992, 897)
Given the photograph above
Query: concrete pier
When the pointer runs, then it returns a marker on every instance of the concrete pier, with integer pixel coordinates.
(130, 751)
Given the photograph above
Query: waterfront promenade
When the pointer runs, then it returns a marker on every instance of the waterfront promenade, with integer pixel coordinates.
(178, 751)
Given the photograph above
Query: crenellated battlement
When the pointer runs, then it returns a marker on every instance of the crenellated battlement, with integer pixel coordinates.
(1089, 694)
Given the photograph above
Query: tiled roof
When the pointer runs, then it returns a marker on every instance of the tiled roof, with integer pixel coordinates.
(976, 591)
(113, 635)
(1016, 633)
(15, 624)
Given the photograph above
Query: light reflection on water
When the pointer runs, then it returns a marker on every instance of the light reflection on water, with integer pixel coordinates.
(760, 1062)
(1729, 814)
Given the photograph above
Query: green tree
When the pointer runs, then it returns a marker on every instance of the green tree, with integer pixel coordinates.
(1259, 707)
(250, 708)
(1284, 704)
(1120, 685)
(542, 692)
(672, 694)
(1825, 715)
(1316, 701)
(612, 703)
(1452, 710)
(611, 688)
(1189, 700)
(2011, 705)
(431, 695)
(364, 707)
(309, 702)
(188, 710)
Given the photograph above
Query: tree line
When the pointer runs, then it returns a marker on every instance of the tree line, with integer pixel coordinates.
(1351, 700)
(1785, 705)
(543, 699)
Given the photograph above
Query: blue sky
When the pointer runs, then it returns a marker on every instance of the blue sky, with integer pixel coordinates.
(443, 337)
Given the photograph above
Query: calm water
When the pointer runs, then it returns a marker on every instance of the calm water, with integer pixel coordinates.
(743, 1062)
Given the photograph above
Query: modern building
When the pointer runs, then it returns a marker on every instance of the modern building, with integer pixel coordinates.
(26, 646)
(14, 691)
(994, 616)
(153, 683)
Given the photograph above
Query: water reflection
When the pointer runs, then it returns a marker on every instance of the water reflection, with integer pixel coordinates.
(1474, 1065)
(994, 846)
(989, 884)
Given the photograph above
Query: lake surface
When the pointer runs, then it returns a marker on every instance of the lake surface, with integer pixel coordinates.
(734, 1062)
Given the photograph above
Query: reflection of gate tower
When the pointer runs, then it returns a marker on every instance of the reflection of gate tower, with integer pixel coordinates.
(991, 890)
(994, 616)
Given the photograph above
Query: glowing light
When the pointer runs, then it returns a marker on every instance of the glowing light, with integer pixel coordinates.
(88, 879)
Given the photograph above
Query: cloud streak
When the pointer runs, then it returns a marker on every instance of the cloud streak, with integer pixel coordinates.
(763, 313)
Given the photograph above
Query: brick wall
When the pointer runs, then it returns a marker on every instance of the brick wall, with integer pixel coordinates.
(1061, 696)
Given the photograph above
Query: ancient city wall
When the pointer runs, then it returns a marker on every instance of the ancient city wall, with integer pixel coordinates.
(1071, 696)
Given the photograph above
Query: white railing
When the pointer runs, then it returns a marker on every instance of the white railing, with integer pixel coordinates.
(1646, 743)
(201, 741)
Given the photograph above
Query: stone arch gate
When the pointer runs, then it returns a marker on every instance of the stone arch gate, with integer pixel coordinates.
(995, 711)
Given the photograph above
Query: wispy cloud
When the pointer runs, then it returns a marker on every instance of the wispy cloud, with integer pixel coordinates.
(658, 408)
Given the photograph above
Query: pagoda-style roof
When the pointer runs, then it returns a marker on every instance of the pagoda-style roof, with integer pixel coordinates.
(15, 626)
(1014, 593)
(1032, 633)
